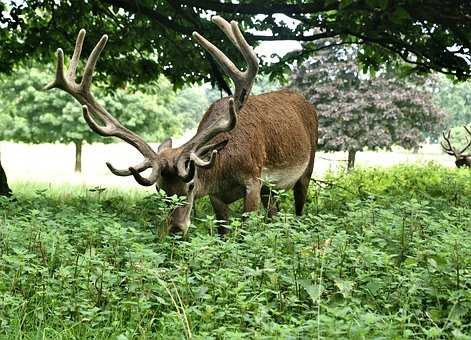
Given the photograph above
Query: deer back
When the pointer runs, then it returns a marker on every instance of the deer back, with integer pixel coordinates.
(275, 130)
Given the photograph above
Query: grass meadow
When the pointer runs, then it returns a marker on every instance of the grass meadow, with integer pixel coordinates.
(379, 253)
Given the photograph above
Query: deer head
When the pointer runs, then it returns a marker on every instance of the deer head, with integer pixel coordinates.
(172, 169)
(462, 160)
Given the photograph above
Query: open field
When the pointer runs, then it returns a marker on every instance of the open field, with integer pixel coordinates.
(54, 163)
(384, 254)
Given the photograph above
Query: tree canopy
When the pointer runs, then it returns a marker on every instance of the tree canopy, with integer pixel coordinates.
(149, 38)
(357, 111)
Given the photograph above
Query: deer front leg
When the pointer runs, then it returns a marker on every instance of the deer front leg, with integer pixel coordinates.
(252, 195)
(221, 210)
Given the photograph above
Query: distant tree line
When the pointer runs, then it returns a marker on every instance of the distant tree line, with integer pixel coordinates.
(30, 115)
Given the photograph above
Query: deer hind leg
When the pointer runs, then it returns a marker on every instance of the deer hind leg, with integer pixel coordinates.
(300, 193)
(301, 188)
(221, 210)
(252, 197)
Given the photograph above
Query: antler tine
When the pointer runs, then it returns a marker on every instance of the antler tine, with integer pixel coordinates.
(117, 130)
(467, 140)
(466, 147)
(91, 63)
(123, 133)
(447, 148)
(246, 50)
(446, 151)
(71, 71)
(204, 164)
(223, 124)
(198, 142)
(226, 64)
(146, 164)
(243, 80)
(104, 131)
(142, 180)
(226, 28)
(447, 140)
(66, 81)
(81, 92)
(233, 32)
(59, 81)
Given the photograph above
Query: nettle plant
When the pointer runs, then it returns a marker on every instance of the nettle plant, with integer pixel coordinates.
(241, 142)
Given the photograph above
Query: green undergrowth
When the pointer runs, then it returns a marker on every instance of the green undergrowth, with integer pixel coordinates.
(379, 253)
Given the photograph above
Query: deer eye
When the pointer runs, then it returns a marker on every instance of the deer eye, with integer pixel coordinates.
(191, 186)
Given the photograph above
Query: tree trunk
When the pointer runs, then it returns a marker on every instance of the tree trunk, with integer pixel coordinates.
(351, 159)
(78, 155)
(4, 188)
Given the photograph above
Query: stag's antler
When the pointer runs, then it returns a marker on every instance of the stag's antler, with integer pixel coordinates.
(112, 127)
(81, 92)
(467, 140)
(449, 149)
(243, 80)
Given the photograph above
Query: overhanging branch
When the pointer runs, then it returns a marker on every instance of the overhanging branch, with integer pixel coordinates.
(261, 8)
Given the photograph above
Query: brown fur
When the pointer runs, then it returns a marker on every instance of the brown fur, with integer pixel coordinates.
(274, 135)
(273, 130)
(463, 162)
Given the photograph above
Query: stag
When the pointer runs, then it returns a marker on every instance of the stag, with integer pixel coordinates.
(242, 141)
(462, 160)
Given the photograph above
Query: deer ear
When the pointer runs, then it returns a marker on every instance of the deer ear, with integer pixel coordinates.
(189, 173)
(166, 144)
(221, 145)
(211, 147)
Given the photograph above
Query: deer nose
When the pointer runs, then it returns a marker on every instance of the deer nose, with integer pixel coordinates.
(178, 227)
(174, 229)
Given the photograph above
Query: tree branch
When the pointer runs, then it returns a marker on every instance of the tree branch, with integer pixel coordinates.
(134, 7)
(262, 8)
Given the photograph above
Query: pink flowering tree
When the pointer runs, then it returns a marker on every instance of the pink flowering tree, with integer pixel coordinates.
(358, 112)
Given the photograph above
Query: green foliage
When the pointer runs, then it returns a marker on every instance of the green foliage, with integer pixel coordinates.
(35, 116)
(380, 254)
(190, 104)
(455, 99)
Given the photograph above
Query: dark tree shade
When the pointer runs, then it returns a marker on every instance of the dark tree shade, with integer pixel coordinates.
(4, 188)
(148, 38)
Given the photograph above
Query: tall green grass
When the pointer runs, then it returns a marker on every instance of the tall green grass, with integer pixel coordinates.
(379, 254)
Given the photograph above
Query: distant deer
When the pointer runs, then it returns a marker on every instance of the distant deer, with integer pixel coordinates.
(462, 160)
(241, 142)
